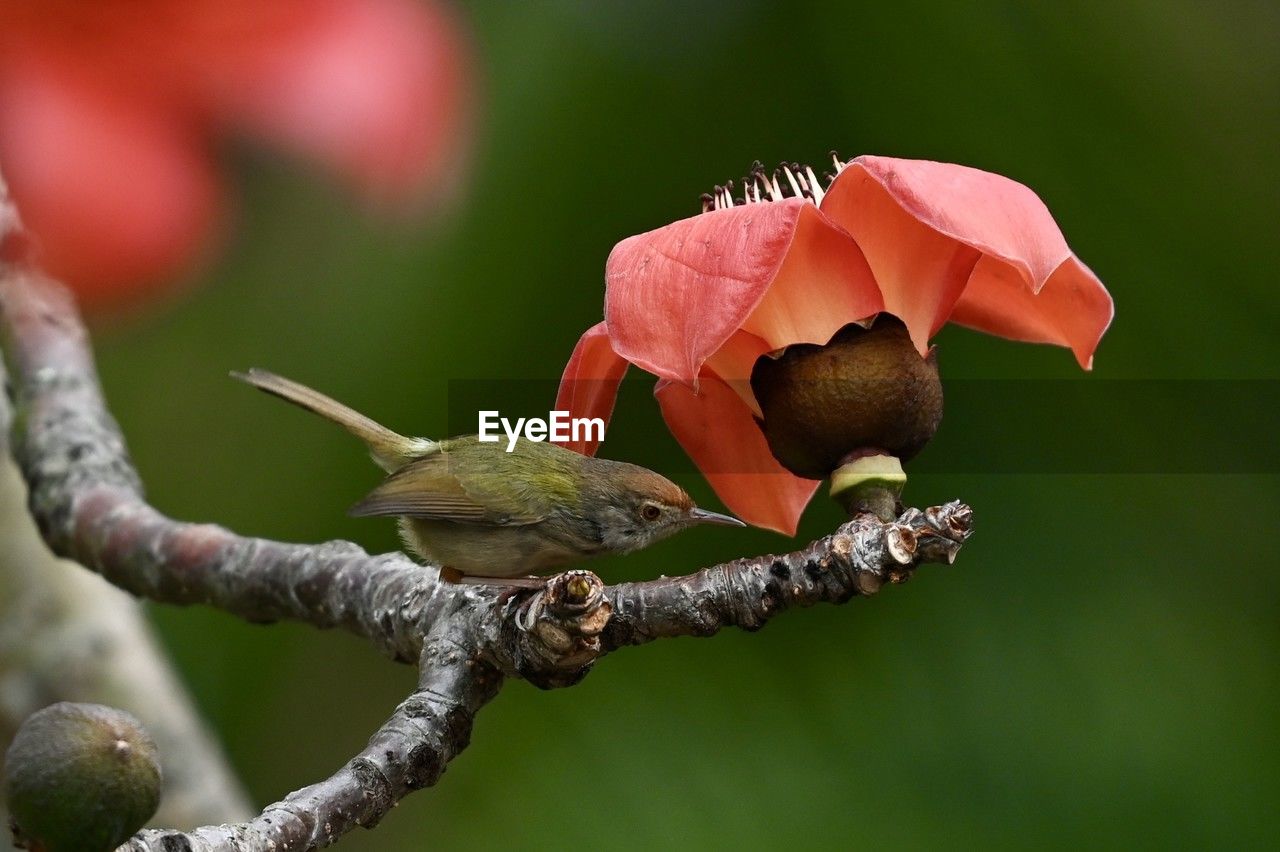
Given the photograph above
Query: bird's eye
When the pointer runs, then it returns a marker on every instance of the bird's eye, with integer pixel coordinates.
(650, 511)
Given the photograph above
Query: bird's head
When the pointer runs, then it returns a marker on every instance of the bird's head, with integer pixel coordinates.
(634, 507)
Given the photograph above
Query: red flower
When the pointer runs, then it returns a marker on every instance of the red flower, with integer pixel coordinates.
(698, 301)
(108, 110)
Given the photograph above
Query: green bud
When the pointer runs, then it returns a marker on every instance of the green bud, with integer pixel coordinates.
(80, 778)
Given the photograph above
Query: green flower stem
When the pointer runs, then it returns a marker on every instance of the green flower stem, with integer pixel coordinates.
(869, 484)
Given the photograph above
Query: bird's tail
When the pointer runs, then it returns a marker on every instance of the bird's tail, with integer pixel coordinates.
(390, 450)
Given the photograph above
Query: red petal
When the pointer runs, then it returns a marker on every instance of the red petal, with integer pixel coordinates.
(997, 216)
(823, 285)
(118, 192)
(1072, 309)
(718, 432)
(676, 294)
(734, 361)
(590, 382)
(920, 271)
(923, 226)
(371, 88)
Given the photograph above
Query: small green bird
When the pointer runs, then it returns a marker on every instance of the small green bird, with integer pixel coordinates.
(479, 511)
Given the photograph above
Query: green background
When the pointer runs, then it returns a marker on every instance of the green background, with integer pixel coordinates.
(1100, 666)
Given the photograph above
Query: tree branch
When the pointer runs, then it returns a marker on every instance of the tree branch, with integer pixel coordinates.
(87, 500)
(66, 635)
(859, 558)
(460, 671)
(408, 752)
(86, 497)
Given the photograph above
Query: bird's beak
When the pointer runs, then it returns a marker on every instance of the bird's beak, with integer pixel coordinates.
(702, 516)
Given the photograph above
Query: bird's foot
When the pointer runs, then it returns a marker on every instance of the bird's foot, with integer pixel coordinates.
(512, 587)
(509, 582)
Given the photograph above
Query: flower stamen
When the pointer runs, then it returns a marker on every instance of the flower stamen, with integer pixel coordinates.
(759, 186)
(815, 188)
(791, 179)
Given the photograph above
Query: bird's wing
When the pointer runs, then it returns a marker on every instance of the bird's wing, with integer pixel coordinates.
(428, 488)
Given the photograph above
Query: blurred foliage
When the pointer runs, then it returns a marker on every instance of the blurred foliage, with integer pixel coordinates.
(1101, 665)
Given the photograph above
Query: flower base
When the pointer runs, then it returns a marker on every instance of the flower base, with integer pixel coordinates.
(867, 390)
(870, 483)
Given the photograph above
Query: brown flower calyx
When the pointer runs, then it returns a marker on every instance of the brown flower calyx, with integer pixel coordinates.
(866, 392)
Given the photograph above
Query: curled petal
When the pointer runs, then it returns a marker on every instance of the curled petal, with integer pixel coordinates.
(1073, 309)
(925, 225)
(371, 88)
(921, 272)
(993, 214)
(119, 193)
(716, 429)
(675, 295)
(589, 386)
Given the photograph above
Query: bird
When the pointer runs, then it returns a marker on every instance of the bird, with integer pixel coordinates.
(484, 514)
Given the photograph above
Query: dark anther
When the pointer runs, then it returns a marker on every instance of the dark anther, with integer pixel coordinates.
(790, 179)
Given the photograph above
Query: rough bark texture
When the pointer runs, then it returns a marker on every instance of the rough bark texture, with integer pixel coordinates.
(859, 558)
(88, 503)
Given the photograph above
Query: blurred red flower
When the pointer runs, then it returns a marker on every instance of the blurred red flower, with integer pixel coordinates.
(109, 108)
(698, 301)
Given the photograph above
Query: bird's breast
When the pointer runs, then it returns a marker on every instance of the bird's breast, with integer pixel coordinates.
(488, 551)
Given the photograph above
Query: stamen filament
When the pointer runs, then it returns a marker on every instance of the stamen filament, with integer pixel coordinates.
(760, 187)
